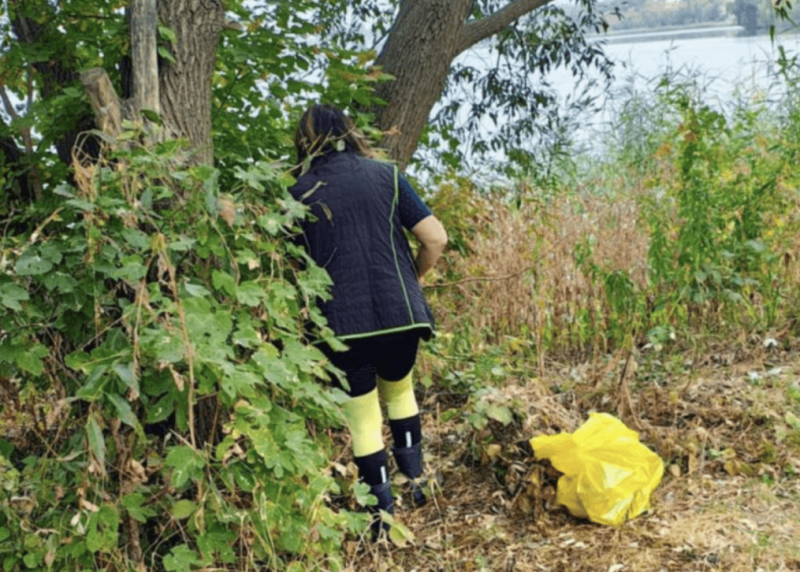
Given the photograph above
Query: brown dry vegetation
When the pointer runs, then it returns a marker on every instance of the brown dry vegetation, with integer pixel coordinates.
(541, 286)
(730, 499)
(719, 411)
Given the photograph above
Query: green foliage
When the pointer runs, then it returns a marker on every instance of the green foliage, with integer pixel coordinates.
(718, 214)
(654, 13)
(705, 201)
(715, 198)
(166, 314)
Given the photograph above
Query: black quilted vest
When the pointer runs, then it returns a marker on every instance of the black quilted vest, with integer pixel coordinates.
(358, 238)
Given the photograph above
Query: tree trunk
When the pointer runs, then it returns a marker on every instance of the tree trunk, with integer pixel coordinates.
(144, 37)
(424, 41)
(418, 53)
(186, 84)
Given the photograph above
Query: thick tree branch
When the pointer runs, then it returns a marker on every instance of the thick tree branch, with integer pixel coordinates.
(105, 103)
(143, 21)
(474, 32)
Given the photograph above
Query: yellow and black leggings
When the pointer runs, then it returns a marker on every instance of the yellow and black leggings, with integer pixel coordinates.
(382, 366)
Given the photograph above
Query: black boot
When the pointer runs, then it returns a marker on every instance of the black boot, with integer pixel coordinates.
(409, 461)
(383, 492)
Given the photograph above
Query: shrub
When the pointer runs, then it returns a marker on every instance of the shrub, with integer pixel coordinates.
(165, 409)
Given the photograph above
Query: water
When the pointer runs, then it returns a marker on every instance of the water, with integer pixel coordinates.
(726, 70)
(723, 65)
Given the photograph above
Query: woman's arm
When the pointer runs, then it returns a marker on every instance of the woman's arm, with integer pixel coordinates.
(433, 238)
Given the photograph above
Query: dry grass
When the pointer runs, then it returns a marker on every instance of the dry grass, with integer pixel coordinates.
(537, 271)
(728, 500)
(536, 284)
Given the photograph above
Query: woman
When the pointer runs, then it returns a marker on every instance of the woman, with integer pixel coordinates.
(361, 206)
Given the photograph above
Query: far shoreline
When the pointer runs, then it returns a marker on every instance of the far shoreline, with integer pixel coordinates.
(692, 31)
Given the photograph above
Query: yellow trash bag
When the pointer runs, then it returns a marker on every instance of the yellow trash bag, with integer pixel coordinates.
(608, 474)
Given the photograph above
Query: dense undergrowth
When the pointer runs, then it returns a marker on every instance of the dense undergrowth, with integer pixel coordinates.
(689, 229)
(161, 411)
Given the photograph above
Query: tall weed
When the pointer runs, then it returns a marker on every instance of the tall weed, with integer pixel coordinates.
(690, 229)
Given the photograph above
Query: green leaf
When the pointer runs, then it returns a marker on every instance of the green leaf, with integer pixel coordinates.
(32, 559)
(223, 281)
(183, 509)
(265, 445)
(128, 376)
(81, 204)
(5, 534)
(500, 413)
(133, 505)
(11, 295)
(272, 222)
(103, 529)
(163, 408)
(400, 535)
(167, 55)
(186, 464)
(181, 559)
(51, 251)
(136, 238)
(6, 448)
(31, 359)
(96, 441)
(247, 337)
(196, 290)
(125, 412)
(239, 383)
(167, 34)
(152, 116)
(274, 369)
(183, 244)
(249, 293)
(32, 264)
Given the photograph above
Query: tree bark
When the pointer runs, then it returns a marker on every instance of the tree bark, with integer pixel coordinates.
(144, 35)
(105, 103)
(185, 86)
(425, 39)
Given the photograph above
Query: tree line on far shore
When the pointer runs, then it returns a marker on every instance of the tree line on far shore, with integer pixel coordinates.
(755, 15)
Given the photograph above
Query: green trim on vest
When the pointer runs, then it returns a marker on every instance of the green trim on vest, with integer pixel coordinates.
(397, 330)
(394, 249)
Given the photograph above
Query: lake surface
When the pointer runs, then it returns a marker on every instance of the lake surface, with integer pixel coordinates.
(724, 63)
(726, 69)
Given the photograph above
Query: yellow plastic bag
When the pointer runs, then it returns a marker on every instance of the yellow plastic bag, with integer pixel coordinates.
(608, 474)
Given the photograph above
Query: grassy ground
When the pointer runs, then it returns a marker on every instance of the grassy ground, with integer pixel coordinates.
(724, 423)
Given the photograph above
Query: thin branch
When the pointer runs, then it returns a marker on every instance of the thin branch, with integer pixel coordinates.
(475, 31)
(480, 279)
(7, 103)
(27, 139)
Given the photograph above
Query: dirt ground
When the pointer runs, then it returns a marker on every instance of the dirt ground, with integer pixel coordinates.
(725, 425)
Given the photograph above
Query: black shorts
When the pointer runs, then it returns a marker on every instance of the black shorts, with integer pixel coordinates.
(389, 356)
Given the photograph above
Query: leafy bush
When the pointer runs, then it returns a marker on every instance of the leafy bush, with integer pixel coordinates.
(166, 409)
(721, 212)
